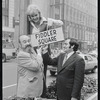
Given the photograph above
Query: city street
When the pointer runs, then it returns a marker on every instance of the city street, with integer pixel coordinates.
(10, 77)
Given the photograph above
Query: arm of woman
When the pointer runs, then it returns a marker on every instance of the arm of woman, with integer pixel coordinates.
(48, 60)
(54, 22)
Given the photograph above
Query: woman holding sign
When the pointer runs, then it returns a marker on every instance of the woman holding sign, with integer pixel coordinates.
(38, 23)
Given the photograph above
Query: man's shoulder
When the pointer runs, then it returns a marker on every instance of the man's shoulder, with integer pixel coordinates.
(79, 56)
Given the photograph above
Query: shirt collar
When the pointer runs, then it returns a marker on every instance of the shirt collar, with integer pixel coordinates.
(69, 54)
(43, 19)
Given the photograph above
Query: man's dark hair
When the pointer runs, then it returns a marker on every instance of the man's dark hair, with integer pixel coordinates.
(74, 42)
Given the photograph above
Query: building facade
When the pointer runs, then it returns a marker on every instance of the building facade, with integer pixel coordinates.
(8, 19)
(80, 20)
(79, 17)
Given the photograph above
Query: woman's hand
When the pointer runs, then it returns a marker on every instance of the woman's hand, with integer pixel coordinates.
(44, 49)
(39, 51)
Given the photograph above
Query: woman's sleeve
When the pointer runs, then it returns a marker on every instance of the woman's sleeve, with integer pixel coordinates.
(48, 60)
(54, 22)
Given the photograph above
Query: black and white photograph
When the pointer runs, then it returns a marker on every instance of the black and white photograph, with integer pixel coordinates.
(49, 50)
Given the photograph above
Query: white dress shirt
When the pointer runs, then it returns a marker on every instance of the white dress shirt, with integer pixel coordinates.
(67, 56)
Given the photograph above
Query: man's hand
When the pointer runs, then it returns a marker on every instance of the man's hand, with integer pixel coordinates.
(73, 98)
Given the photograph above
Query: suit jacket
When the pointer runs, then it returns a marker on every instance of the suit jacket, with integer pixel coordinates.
(70, 75)
(30, 75)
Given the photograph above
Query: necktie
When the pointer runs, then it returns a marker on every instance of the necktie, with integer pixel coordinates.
(65, 58)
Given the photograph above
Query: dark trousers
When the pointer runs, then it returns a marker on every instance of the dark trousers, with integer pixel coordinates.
(66, 95)
(44, 83)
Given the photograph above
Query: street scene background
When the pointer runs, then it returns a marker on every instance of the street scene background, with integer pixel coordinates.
(80, 22)
(10, 77)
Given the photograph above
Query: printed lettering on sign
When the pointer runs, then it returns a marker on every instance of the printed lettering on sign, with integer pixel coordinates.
(47, 37)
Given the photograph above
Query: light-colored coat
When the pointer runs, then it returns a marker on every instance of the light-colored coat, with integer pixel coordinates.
(30, 75)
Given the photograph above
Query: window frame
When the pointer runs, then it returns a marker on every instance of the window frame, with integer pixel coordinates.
(5, 13)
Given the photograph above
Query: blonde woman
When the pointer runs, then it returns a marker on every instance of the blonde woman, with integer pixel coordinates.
(38, 22)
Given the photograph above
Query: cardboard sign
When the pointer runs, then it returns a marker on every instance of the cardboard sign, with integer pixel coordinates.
(47, 37)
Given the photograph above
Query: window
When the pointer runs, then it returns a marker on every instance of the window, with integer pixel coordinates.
(83, 33)
(57, 16)
(3, 4)
(74, 14)
(83, 18)
(67, 12)
(71, 13)
(5, 21)
(57, 1)
(51, 11)
(77, 18)
(8, 45)
(13, 22)
(76, 33)
(57, 11)
(86, 20)
(5, 12)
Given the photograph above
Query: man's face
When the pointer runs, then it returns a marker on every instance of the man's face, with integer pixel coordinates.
(66, 45)
(25, 42)
(35, 16)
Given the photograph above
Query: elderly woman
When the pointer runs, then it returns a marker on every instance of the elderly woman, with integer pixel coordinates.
(38, 23)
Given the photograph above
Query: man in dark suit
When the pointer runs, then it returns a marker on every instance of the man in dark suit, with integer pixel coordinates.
(70, 71)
